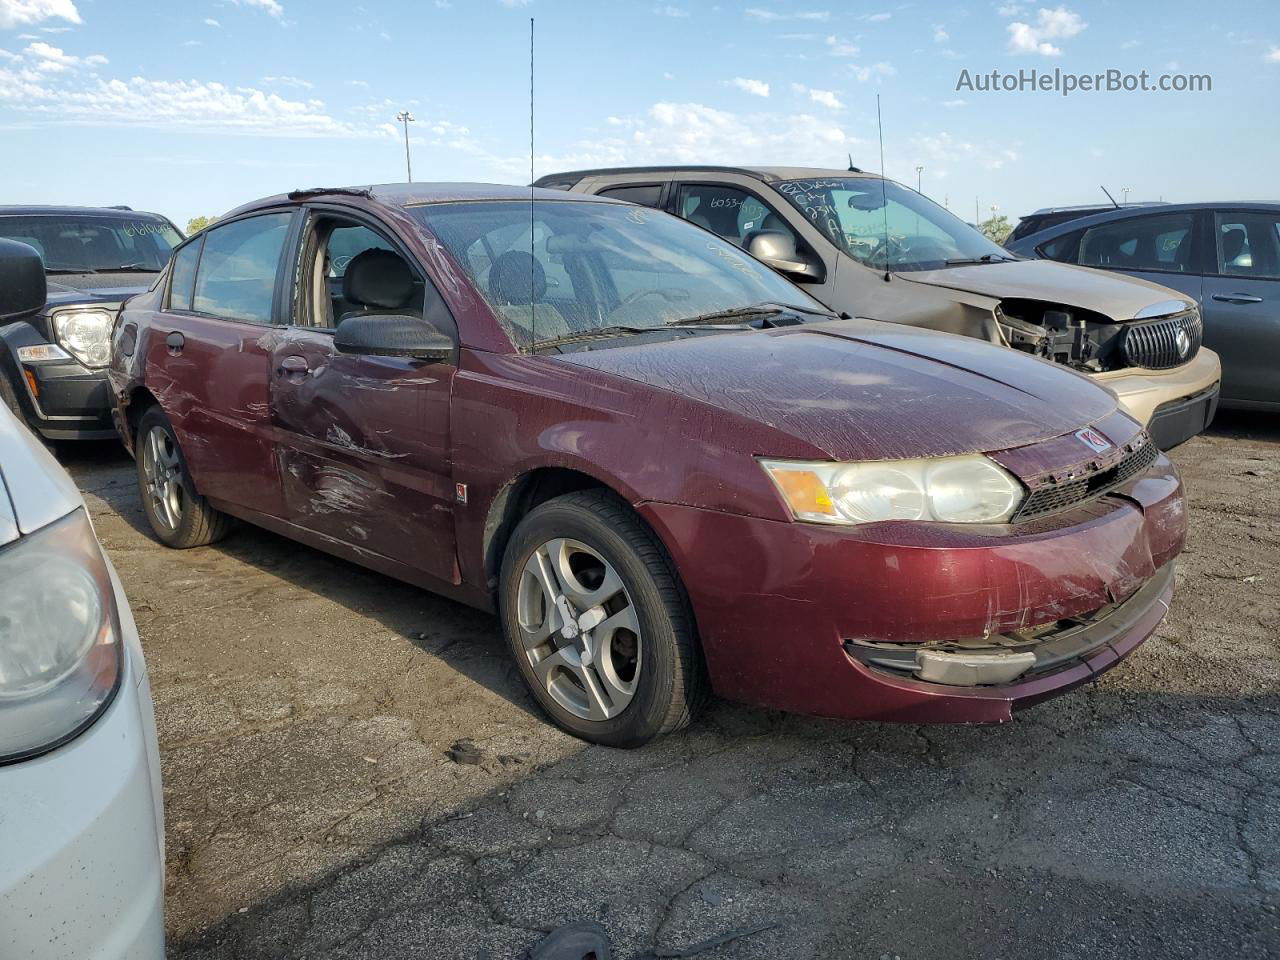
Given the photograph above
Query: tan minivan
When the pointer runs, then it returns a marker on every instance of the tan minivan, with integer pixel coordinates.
(870, 247)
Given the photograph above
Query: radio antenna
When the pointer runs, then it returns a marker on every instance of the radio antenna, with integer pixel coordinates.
(884, 192)
(533, 264)
(1109, 196)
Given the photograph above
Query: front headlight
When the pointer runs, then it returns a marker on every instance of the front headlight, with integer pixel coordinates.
(60, 651)
(86, 335)
(969, 489)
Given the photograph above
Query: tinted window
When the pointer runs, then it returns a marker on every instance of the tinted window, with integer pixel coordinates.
(183, 275)
(1248, 244)
(732, 213)
(1063, 249)
(887, 226)
(614, 265)
(648, 195)
(238, 268)
(88, 244)
(1142, 243)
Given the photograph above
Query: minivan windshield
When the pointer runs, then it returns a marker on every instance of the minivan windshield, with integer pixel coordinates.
(87, 244)
(570, 268)
(887, 226)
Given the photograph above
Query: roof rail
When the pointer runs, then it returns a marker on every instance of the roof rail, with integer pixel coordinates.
(120, 206)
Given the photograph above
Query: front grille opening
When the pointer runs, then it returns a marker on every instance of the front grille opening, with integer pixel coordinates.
(1165, 343)
(1055, 497)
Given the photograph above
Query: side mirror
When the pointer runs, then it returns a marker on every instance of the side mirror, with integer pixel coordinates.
(392, 335)
(22, 283)
(778, 250)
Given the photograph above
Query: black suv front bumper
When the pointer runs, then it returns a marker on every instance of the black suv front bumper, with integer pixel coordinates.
(62, 400)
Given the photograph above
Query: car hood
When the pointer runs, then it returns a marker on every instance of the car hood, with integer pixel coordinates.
(34, 490)
(862, 390)
(66, 289)
(1109, 294)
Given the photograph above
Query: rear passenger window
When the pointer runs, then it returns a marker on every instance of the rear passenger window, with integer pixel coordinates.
(183, 275)
(1248, 245)
(237, 275)
(648, 195)
(1063, 249)
(1142, 243)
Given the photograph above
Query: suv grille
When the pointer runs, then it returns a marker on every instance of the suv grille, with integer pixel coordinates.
(1060, 496)
(1163, 343)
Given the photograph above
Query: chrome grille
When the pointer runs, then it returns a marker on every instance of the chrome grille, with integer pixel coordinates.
(1170, 342)
(1054, 497)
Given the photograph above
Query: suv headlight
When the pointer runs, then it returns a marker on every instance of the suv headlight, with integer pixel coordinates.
(60, 651)
(968, 489)
(85, 334)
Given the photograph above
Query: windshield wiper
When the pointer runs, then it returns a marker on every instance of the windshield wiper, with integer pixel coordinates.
(49, 269)
(985, 258)
(755, 310)
(621, 330)
(129, 268)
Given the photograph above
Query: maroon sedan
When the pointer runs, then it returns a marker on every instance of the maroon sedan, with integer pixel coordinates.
(664, 465)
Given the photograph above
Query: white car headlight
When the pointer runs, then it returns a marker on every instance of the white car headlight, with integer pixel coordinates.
(968, 489)
(86, 335)
(60, 650)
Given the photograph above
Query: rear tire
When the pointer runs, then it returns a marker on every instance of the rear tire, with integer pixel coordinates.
(598, 621)
(179, 516)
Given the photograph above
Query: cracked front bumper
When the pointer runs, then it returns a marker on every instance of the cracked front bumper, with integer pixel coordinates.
(776, 602)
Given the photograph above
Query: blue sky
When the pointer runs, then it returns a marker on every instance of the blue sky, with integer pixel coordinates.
(193, 107)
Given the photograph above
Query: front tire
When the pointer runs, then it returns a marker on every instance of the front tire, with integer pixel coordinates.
(598, 622)
(179, 516)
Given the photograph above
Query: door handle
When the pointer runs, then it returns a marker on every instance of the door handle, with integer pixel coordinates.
(1236, 298)
(293, 368)
(175, 342)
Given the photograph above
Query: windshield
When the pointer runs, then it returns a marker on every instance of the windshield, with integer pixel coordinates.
(87, 244)
(574, 267)
(887, 226)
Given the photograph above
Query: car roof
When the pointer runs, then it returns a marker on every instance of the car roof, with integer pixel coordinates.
(416, 194)
(1031, 240)
(763, 174)
(44, 209)
(1093, 206)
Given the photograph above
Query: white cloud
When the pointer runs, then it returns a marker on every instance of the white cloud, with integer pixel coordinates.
(877, 17)
(1130, 44)
(841, 48)
(954, 103)
(943, 149)
(359, 83)
(757, 88)
(940, 34)
(876, 72)
(1056, 24)
(514, 3)
(1011, 10)
(272, 7)
(826, 98)
(210, 22)
(15, 13)
(1272, 55)
(72, 97)
(670, 12)
(773, 16)
(289, 82)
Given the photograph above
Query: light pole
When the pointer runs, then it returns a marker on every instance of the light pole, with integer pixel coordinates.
(919, 170)
(1125, 191)
(405, 117)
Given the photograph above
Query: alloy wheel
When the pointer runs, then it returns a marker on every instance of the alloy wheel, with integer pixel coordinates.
(162, 467)
(580, 629)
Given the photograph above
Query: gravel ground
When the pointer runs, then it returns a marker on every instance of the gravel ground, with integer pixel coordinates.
(305, 708)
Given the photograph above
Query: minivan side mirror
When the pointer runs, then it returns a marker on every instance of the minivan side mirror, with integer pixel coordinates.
(392, 335)
(22, 283)
(777, 249)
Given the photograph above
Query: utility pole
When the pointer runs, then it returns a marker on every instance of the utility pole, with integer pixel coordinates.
(977, 217)
(919, 170)
(405, 117)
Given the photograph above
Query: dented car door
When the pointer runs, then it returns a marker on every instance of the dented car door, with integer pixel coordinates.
(362, 441)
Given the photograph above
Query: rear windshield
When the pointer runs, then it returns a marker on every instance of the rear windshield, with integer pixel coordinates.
(569, 267)
(88, 244)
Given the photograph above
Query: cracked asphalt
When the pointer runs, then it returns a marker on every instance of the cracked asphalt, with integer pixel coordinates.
(305, 707)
